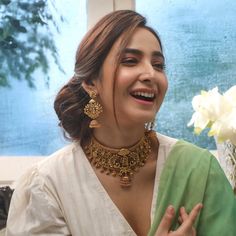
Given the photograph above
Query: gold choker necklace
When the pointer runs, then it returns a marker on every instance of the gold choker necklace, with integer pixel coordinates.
(124, 161)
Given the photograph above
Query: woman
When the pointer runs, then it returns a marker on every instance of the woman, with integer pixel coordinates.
(118, 177)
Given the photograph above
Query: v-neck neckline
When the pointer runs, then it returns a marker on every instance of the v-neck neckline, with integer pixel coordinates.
(113, 208)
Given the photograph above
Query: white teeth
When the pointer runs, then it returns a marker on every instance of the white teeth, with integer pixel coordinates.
(148, 95)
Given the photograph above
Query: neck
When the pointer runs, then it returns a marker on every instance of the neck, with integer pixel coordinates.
(118, 138)
(123, 162)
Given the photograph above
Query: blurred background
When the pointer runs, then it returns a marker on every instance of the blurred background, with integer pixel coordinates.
(38, 40)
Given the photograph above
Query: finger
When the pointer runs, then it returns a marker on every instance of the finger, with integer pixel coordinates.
(183, 214)
(189, 221)
(166, 221)
(195, 211)
(180, 220)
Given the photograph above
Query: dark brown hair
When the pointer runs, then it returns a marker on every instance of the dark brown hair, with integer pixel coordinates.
(91, 53)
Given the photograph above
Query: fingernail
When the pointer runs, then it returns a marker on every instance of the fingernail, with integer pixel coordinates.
(200, 205)
(171, 209)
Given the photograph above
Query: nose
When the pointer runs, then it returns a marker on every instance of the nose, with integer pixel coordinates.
(147, 72)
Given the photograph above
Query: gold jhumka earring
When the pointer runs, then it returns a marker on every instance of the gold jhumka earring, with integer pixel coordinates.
(93, 109)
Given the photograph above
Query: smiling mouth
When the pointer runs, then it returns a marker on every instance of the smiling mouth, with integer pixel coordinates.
(144, 96)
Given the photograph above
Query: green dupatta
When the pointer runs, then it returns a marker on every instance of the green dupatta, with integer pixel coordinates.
(192, 175)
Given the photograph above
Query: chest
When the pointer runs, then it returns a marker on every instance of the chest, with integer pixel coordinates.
(135, 202)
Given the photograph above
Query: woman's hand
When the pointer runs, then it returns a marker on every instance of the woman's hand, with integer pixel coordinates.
(187, 220)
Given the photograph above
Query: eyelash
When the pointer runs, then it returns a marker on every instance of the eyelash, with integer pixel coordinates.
(159, 66)
(129, 61)
(132, 62)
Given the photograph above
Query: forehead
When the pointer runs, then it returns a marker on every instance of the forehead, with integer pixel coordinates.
(144, 40)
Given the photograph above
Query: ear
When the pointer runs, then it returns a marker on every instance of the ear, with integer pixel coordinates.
(89, 87)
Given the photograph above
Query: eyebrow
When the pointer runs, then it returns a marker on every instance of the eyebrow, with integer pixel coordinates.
(140, 53)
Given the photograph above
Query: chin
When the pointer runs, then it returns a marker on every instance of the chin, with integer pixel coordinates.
(136, 116)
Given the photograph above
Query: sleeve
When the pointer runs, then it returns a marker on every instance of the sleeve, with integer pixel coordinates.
(34, 209)
(218, 215)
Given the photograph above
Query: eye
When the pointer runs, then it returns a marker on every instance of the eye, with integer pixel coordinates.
(129, 61)
(159, 66)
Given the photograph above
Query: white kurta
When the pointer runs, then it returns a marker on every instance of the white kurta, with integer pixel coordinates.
(63, 196)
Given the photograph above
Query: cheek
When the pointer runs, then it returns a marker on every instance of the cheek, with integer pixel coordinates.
(163, 85)
(104, 89)
(162, 88)
(126, 76)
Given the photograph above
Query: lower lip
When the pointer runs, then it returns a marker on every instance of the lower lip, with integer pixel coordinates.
(143, 102)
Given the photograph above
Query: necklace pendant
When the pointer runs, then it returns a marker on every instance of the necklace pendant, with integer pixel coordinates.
(125, 181)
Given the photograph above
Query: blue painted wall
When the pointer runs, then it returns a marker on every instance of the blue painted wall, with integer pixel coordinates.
(199, 39)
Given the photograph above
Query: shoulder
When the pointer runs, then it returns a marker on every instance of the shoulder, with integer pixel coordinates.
(166, 143)
(181, 150)
(181, 154)
(188, 151)
(51, 170)
(61, 154)
(47, 179)
(186, 157)
(166, 140)
(37, 196)
(60, 160)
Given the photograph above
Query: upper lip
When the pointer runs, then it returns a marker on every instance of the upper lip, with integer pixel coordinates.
(144, 90)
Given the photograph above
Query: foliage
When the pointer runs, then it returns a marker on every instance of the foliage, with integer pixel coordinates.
(26, 39)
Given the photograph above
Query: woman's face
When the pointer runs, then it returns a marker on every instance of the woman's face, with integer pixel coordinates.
(140, 82)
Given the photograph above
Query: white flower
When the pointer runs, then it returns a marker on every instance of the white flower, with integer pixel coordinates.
(208, 106)
(199, 121)
(217, 112)
(225, 128)
(230, 95)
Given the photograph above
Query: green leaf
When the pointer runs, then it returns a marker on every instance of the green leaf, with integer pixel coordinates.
(10, 42)
(40, 4)
(26, 40)
(3, 81)
(24, 6)
(15, 22)
(37, 19)
(22, 29)
(5, 2)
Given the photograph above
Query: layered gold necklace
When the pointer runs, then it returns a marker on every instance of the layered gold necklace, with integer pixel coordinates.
(122, 162)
